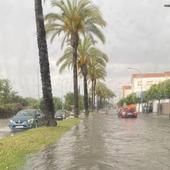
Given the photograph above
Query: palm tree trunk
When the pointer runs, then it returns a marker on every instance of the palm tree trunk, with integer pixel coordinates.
(94, 93)
(97, 102)
(74, 44)
(86, 107)
(100, 106)
(84, 73)
(44, 65)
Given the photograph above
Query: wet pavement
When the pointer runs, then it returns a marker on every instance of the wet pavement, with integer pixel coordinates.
(4, 129)
(105, 142)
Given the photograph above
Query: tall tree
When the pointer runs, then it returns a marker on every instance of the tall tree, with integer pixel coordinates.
(6, 92)
(74, 18)
(44, 65)
(103, 93)
(96, 71)
(86, 53)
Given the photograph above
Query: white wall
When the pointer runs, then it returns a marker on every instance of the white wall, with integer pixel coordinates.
(146, 83)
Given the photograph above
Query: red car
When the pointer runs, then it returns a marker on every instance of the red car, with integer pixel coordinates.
(127, 113)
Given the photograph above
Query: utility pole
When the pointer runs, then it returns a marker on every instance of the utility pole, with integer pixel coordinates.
(168, 5)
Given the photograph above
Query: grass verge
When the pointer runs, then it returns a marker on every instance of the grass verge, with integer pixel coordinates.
(14, 149)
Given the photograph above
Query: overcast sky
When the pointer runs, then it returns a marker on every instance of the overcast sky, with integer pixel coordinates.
(137, 34)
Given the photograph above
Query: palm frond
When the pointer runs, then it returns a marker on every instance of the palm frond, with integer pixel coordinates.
(64, 66)
(53, 17)
(96, 31)
(60, 4)
(81, 16)
(54, 35)
(83, 3)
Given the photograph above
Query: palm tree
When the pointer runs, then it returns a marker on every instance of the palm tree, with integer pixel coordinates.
(96, 71)
(86, 51)
(74, 18)
(103, 93)
(44, 65)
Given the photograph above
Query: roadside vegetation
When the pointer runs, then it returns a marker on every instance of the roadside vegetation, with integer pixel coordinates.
(48, 103)
(11, 102)
(81, 24)
(157, 92)
(104, 94)
(14, 149)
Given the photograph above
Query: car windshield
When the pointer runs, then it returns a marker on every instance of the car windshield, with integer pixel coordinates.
(60, 112)
(26, 113)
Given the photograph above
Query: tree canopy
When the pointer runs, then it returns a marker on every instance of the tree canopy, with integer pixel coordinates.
(158, 92)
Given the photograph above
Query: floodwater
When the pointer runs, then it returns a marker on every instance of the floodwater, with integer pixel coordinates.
(106, 142)
(4, 129)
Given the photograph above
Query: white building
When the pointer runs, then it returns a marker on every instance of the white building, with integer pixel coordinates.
(126, 90)
(142, 82)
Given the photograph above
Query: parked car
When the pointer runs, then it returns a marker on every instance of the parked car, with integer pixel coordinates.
(27, 118)
(127, 113)
(60, 115)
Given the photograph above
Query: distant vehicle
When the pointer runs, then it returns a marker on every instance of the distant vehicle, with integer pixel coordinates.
(127, 113)
(61, 114)
(27, 118)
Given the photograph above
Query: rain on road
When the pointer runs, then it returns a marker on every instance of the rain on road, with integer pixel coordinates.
(4, 129)
(106, 142)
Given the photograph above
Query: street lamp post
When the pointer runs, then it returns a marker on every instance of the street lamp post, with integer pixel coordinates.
(167, 5)
(141, 90)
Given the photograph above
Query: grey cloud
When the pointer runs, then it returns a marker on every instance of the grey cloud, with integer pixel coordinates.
(137, 35)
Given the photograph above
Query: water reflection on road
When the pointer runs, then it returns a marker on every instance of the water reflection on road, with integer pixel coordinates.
(4, 129)
(105, 142)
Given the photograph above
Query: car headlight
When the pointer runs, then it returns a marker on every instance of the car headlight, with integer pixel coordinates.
(30, 121)
(123, 113)
(25, 122)
(11, 121)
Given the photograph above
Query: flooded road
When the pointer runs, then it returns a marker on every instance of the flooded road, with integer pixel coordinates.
(105, 142)
(4, 129)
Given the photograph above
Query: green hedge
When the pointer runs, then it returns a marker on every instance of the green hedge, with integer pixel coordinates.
(8, 110)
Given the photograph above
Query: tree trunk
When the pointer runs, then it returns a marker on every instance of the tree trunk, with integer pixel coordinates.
(85, 72)
(44, 65)
(92, 95)
(74, 44)
(100, 102)
(159, 107)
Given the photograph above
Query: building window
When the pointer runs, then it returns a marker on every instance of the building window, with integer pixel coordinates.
(149, 83)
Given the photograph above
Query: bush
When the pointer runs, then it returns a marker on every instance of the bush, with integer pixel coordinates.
(8, 110)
